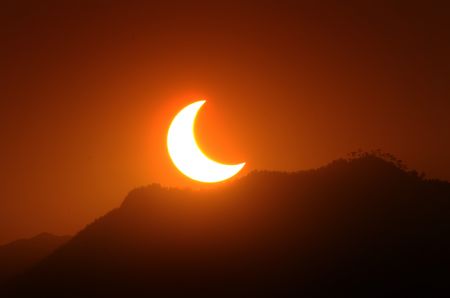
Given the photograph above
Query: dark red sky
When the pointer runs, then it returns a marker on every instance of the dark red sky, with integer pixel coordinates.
(88, 90)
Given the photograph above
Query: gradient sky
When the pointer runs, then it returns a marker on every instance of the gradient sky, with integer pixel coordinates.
(88, 89)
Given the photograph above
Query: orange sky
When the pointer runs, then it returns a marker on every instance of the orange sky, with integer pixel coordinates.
(88, 91)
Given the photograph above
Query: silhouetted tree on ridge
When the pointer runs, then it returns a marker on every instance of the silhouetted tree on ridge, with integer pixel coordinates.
(362, 226)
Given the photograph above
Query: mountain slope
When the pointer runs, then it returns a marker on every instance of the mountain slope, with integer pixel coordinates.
(19, 256)
(364, 227)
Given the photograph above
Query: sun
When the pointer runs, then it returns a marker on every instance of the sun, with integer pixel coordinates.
(187, 156)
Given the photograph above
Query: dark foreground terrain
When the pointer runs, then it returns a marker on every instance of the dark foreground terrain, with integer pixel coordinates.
(358, 227)
(21, 255)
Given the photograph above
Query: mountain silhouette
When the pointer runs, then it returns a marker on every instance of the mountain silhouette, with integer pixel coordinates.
(364, 226)
(20, 255)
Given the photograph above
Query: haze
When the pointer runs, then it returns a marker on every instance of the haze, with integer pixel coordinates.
(87, 92)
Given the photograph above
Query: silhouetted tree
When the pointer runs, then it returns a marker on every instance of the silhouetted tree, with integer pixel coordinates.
(362, 226)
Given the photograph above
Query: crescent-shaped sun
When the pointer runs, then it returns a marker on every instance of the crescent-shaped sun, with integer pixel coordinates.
(187, 155)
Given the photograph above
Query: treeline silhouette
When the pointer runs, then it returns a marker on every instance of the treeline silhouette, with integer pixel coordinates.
(364, 226)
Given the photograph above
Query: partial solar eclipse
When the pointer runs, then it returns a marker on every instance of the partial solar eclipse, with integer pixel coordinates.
(187, 155)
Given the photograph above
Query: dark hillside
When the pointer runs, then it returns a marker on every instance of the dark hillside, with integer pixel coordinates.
(362, 227)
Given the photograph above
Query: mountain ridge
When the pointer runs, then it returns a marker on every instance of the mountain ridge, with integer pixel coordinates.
(22, 254)
(342, 228)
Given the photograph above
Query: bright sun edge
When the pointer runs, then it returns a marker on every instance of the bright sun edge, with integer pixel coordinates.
(187, 156)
